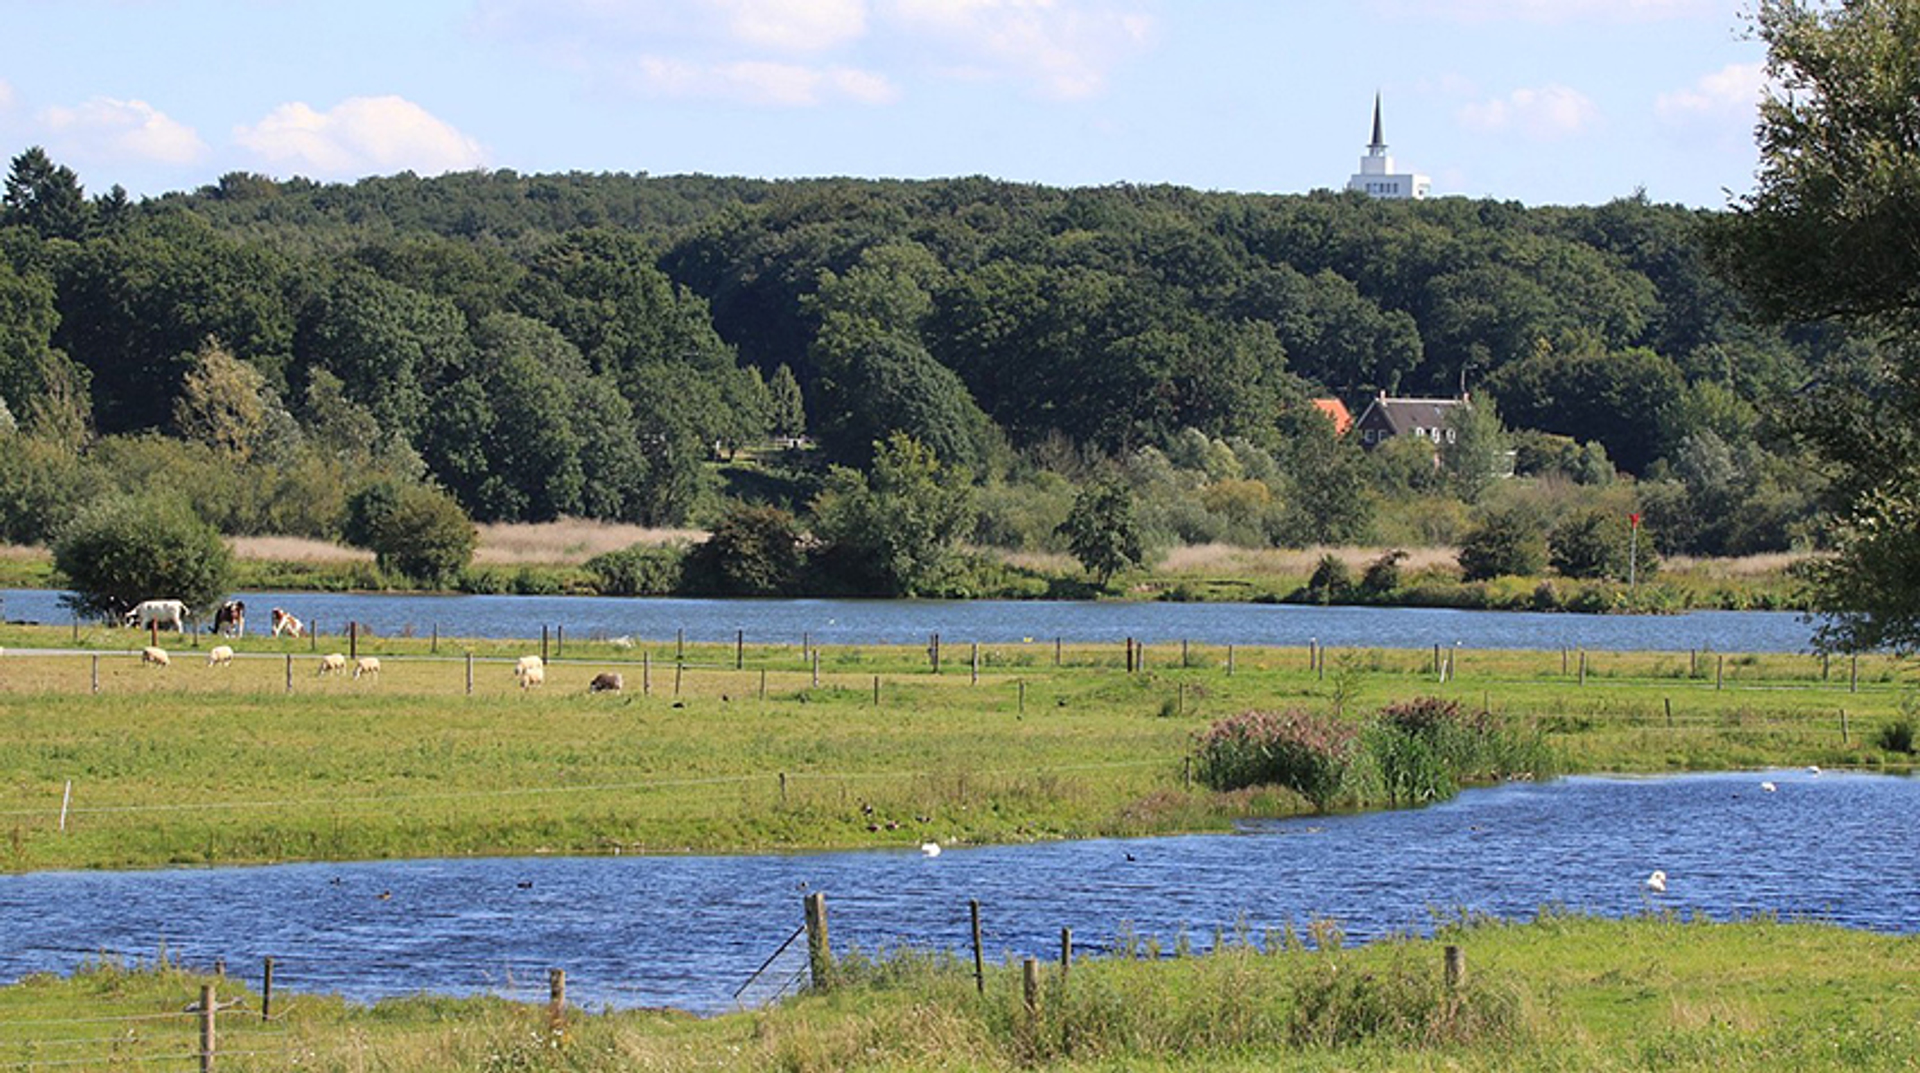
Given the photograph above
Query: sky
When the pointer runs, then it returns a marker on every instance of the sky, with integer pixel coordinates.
(1537, 101)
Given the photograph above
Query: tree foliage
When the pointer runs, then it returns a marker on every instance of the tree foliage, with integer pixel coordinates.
(1102, 531)
(417, 531)
(893, 535)
(127, 550)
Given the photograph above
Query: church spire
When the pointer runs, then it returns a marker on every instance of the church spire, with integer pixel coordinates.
(1379, 143)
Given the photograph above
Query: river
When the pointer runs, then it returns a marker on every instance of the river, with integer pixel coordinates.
(687, 931)
(852, 622)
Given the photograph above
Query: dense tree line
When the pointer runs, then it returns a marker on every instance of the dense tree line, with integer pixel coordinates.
(590, 345)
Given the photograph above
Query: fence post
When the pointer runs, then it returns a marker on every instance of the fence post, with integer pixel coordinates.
(96, 674)
(435, 650)
(876, 691)
(1183, 653)
(560, 640)
(783, 787)
(819, 952)
(646, 673)
(680, 644)
(1181, 705)
(206, 1028)
(1456, 972)
(1719, 670)
(1583, 666)
(976, 663)
(266, 991)
(1056, 651)
(1229, 661)
(1023, 696)
(66, 798)
(979, 962)
(1313, 654)
(1843, 729)
(1853, 673)
(290, 674)
(1188, 778)
(1066, 951)
(739, 649)
(543, 642)
(469, 674)
(678, 669)
(353, 640)
(556, 1000)
(816, 668)
(1668, 701)
(1030, 985)
(933, 652)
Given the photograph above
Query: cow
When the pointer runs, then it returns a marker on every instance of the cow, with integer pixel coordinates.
(154, 657)
(231, 619)
(332, 663)
(220, 656)
(366, 665)
(287, 624)
(610, 682)
(147, 613)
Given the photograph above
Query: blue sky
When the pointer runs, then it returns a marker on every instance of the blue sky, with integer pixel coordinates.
(1539, 101)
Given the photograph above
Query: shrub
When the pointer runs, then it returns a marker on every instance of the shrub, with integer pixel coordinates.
(640, 570)
(1504, 542)
(1383, 574)
(1306, 753)
(753, 551)
(128, 550)
(1897, 736)
(1331, 580)
(411, 529)
(1423, 749)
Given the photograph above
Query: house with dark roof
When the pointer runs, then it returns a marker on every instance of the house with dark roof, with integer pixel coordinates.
(1384, 418)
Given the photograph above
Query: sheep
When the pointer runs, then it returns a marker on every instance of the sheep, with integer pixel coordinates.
(220, 656)
(534, 674)
(331, 663)
(520, 666)
(366, 665)
(611, 682)
(155, 657)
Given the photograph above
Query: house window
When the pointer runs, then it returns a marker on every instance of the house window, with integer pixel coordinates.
(1450, 435)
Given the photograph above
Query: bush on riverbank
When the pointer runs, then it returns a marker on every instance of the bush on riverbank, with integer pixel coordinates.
(1410, 752)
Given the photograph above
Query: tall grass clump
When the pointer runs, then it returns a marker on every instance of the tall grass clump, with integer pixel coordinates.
(1424, 749)
(1306, 753)
(1897, 736)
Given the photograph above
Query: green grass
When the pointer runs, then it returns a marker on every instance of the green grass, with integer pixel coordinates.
(1559, 992)
(195, 764)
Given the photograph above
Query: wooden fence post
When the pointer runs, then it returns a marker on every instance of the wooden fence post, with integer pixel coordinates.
(353, 640)
(976, 663)
(678, 669)
(979, 961)
(560, 641)
(1023, 696)
(96, 674)
(435, 650)
(66, 798)
(1229, 661)
(646, 673)
(1843, 727)
(1583, 666)
(290, 674)
(1030, 985)
(783, 787)
(206, 1028)
(1066, 951)
(819, 952)
(1183, 653)
(543, 642)
(266, 991)
(1456, 971)
(816, 668)
(557, 1000)
(1719, 670)
(1668, 701)
(739, 649)
(1056, 651)
(876, 691)
(1853, 673)
(469, 674)
(933, 652)
(763, 683)
(680, 644)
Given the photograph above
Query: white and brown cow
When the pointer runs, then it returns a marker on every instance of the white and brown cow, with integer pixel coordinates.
(287, 624)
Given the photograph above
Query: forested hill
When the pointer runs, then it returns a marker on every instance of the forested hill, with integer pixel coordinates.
(576, 344)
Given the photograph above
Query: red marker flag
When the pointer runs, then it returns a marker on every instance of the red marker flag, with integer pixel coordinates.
(1635, 519)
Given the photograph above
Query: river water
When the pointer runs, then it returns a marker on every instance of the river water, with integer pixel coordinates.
(849, 622)
(687, 931)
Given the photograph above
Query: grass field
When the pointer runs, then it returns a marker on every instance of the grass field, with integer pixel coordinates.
(266, 760)
(1559, 992)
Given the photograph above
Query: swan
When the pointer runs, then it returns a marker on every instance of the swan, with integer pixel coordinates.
(1768, 787)
(1813, 769)
(929, 849)
(1657, 882)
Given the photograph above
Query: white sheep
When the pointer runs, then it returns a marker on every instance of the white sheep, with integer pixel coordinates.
(331, 663)
(220, 656)
(366, 665)
(534, 674)
(156, 657)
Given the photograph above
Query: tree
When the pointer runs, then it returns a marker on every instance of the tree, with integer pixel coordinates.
(895, 535)
(411, 529)
(1828, 235)
(222, 402)
(1474, 454)
(131, 549)
(786, 413)
(1598, 543)
(1507, 541)
(46, 197)
(1102, 532)
(752, 551)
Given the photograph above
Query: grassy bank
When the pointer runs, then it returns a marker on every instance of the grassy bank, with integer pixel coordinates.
(1557, 993)
(193, 764)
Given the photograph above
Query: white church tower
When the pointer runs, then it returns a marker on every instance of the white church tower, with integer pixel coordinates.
(1377, 178)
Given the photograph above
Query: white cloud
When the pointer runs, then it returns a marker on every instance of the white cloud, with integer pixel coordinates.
(764, 83)
(1544, 113)
(1066, 48)
(1731, 93)
(1555, 11)
(794, 25)
(113, 131)
(358, 136)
